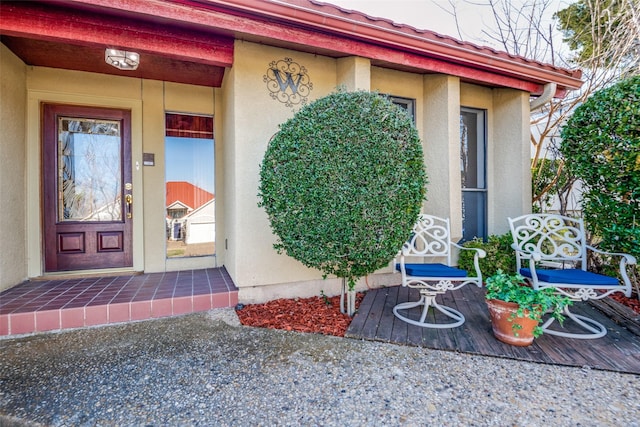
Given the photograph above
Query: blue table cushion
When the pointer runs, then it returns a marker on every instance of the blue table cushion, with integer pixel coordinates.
(572, 276)
(432, 270)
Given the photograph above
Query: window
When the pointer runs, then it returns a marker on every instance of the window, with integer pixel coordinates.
(473, 173)
(190, 185)
(407, 104)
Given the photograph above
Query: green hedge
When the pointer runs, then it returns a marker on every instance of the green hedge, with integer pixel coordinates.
(500, 255)
(601, 146)
(343, 182)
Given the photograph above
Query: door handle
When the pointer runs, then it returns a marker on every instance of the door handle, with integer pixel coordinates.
(128, 199)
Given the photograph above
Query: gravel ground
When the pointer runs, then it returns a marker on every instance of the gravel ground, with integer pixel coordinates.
(206, 369)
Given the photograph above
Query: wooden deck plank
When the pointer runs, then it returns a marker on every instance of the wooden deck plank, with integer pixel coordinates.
(399, 332)
(618, 351)
(462, 334)
(385, 328)
(478, 324)
(374, 317)
(359, 319)
(447, 336)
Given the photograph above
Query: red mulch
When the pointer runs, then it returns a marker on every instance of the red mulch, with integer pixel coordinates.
(633, 303)
(319, 315)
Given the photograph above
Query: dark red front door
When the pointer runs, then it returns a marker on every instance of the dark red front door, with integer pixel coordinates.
(87, 188)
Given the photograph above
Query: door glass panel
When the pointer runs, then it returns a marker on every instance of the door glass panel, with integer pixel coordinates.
(89, 170)
(190, 186)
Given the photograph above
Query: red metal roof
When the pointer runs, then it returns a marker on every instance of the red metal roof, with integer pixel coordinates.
(187, 193)
(419, 48)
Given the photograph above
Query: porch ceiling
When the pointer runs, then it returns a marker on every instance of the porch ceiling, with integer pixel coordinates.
(91, 58)
(49, 36)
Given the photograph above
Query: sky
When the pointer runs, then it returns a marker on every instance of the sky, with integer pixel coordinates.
(436, 15)
(191, 160)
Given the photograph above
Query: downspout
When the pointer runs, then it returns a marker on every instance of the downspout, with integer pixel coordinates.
(547, 94)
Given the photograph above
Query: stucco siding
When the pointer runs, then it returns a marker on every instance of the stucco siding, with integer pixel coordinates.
(154, 194)
(402, 84)
(353, 73)
(442, 148)
(256, 116)
(13, 96)
(510, 159)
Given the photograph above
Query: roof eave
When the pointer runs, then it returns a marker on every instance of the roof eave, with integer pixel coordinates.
(401, 38)
(294, 21)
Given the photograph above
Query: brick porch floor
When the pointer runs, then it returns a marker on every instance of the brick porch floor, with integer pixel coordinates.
(52, 305)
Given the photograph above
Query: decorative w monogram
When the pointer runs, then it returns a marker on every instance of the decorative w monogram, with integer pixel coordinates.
(288, 82)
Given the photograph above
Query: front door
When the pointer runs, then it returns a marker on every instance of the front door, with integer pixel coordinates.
(87, 190)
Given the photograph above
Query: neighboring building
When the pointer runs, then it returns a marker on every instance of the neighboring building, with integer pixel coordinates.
(189, 204)
(241, 67)
(201, 224)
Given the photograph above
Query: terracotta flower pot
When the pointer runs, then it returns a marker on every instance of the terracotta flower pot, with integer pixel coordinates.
(500, 312)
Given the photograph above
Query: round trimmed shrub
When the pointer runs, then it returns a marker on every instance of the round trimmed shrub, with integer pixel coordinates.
(601, 145)
(343, 182)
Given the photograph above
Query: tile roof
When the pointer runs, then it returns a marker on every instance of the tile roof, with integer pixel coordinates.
(427, 35)
(188, 194)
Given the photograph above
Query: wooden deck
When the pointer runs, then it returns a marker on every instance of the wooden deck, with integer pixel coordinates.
(618, 351)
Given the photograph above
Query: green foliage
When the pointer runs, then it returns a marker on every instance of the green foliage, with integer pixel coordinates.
(531, 303)
(325, 298)
(601, 145)
(500, 255)
(588, 26)
(343, 182)
(549, 179)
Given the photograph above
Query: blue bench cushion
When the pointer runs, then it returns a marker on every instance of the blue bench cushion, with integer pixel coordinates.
(572, 276)
(432, 270)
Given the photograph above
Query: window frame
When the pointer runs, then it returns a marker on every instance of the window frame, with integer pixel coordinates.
(407, 104)
(481, 217)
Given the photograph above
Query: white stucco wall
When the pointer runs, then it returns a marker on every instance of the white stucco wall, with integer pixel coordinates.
(353, 73)
(252, 117)
(13, 97)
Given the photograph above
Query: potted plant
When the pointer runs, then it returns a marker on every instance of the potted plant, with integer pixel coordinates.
(516, 309)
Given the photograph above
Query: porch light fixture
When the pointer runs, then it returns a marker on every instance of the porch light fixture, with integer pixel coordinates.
(122, 59)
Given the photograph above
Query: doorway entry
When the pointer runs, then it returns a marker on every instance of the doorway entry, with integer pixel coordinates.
(87, 196)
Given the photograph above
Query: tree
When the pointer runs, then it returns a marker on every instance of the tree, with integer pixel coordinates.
(342, 183)
(601, 143)
(601, 29)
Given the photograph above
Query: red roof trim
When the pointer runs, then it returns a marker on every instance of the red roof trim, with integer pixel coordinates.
(81, 28)
(324, 26)
(327, 17)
